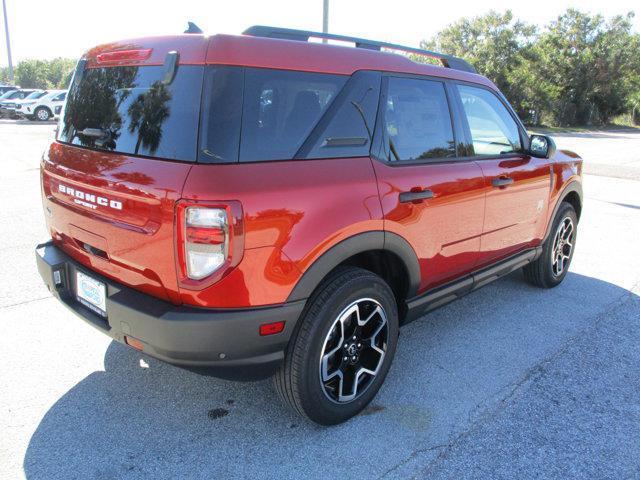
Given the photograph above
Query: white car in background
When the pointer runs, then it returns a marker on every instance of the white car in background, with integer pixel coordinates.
(42, 108)
(9, 108)
(9, 99)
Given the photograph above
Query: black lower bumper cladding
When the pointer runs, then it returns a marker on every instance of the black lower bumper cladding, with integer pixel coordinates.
(220, 342)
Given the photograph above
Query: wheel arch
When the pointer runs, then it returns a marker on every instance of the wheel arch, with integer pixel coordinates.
(571, 193)
(384, 253)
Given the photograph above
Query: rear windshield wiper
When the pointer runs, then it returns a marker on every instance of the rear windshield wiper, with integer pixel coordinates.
(94, 132)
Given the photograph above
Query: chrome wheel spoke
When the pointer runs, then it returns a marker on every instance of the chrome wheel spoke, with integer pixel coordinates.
(568, 231)
(329, 355)
(562, 246)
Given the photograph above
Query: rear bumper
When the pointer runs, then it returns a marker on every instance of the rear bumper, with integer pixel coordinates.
(221, 342)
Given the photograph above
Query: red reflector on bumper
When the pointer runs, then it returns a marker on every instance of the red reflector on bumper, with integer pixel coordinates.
(271, 328)
(132, 342)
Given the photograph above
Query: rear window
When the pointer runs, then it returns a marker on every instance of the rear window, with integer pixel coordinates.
(252, 114)
(131, 110)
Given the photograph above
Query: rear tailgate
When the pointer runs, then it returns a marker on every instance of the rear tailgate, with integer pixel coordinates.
(126, 142)
(114, 213)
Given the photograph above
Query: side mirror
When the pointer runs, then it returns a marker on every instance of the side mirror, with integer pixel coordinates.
(541, 146)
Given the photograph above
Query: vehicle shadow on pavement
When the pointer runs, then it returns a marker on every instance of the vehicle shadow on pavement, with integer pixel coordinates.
(451, 367)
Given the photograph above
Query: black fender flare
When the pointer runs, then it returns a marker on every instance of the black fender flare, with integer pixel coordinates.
(359, 243)
(573, 186)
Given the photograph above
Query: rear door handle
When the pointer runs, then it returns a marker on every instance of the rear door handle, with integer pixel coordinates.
(406, 197)
(502, 181)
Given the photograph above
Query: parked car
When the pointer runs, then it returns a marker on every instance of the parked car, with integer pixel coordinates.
(7, 94)
(9, 99)
(43, 108)
(275, 206)
(12, 107)
(7, 88)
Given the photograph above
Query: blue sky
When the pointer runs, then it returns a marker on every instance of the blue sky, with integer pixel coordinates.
(46, 29)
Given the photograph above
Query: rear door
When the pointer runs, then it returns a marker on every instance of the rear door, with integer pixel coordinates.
(517, 184)
(429, 195)
(126, 142)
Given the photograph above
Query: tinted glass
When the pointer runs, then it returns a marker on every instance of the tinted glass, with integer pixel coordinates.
(280, 109)
(130, 110)
(417, 120)
(493, 129)
(35, 95)
(8, 94)
(347, 129)
(221, 114)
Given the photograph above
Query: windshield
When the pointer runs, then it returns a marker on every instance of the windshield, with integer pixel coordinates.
(8, 95)
(132, 110)
(34, 95)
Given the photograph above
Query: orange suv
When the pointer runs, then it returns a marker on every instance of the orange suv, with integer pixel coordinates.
(260, 204)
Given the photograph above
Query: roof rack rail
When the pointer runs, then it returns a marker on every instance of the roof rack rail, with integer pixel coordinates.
(448, 61)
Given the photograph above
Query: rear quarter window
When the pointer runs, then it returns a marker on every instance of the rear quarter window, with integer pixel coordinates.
(252, 114)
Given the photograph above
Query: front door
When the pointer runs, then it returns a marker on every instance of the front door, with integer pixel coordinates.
(517, 185)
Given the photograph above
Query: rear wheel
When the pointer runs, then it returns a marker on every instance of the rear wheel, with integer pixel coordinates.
(343, 348)
(557, 251)
(42, 114)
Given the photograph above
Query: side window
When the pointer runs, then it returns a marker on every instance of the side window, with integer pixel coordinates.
(493, 130)
(347, 128)
(221, 114)
(60, 98)
(280, 109)
(417, 123)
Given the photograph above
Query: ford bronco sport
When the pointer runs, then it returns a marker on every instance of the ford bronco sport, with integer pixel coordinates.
(262, 204)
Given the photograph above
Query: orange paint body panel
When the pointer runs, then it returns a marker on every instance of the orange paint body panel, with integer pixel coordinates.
(138, 239)
(515, 216)
(293, 212)
(444, 231)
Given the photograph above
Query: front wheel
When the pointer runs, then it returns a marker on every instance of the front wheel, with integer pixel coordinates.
(343, 348)
(548, 270)
(42, 114)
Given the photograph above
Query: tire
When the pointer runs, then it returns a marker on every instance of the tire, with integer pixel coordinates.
(42, 114)
(362, 355)
(549, 269)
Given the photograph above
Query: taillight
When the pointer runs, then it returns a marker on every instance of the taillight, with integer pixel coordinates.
(210, 240)
(207, 240)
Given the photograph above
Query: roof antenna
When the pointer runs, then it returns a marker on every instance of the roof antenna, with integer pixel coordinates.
(193, 28)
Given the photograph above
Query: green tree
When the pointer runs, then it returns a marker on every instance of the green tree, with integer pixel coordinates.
(60, 71)
(580, 70)
(586, 65)
(32, 74)
(44, 73)
(496, 44)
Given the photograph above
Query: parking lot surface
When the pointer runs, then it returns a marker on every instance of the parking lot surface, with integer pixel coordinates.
(509, 382)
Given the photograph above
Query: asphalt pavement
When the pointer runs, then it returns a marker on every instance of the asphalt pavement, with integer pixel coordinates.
(509, 382)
